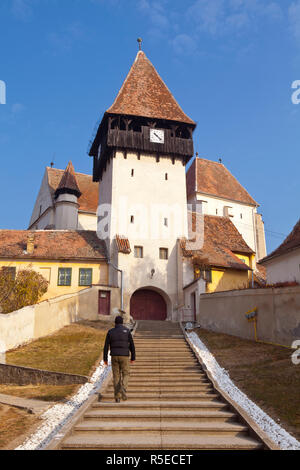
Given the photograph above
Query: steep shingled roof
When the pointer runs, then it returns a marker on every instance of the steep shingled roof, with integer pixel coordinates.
(52, 245)
(88, 201)
(144, 93)
(68, 183)
(291, 243)
(212, 178)
(221, 243)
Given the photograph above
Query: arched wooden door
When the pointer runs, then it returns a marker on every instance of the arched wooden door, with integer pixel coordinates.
(148, 305)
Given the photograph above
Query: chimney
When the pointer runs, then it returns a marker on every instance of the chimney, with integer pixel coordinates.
(30, 244)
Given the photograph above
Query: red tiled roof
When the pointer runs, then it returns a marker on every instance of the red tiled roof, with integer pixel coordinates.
(68, 183)
(52, 245)
(212, 178)
(123, 245)
(291, 243)
(88, 201)
(221, 241)
(144, 93)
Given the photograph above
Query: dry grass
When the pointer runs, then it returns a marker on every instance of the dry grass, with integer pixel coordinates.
(264, 372)
(75, 349)
(54, 393)
(13, 424)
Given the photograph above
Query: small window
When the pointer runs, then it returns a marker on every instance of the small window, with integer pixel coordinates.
(132, 219)
(205, 274)
(163, 253)
(227, 211)
(241, 216)
(166, 177)
(166, 222)
(64, 276)
(85, 277)
(216, 211)
(7, 270)
(138, 252)
(132, 173)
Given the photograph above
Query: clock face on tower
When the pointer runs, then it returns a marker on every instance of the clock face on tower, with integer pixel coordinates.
(157, 136)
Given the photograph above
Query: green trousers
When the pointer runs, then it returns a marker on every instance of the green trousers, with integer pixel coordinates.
(121, 370)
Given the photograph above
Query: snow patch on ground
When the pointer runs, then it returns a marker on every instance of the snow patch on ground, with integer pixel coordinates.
(58, 415)
(282, 438)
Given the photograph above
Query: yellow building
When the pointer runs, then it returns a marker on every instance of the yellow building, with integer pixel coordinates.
(69, 260)
(225, 262)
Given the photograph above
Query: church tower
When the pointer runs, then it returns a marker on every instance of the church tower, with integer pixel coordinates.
(140, 152)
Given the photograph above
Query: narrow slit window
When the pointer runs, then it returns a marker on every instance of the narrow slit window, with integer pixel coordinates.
(166, 177)
(132, 219)
(132, 173)
(166, 222)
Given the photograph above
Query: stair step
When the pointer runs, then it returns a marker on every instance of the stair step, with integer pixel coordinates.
(163, 425)
(158, 440)
(164, 389)
(161, 405)
(176, 415)
(165, 396)
(171, 403)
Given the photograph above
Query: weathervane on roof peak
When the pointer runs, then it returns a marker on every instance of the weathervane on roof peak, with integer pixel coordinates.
(139, 40)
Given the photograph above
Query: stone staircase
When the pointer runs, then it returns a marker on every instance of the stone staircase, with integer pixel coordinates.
(171, 403)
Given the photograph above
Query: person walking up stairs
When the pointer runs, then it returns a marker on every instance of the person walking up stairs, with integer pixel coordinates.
(119, 341)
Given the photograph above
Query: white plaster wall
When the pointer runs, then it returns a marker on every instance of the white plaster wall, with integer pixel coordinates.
(17, 328)
(45, 318)
(198, 288)
(285, 268)
(43, 199)
(149, 198)
(245, 225)
(188, 272)
(87, 221)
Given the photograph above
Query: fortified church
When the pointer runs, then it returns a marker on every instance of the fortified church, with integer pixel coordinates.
(169, 234)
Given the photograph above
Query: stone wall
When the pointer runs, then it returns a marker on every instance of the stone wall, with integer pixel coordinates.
(278, 313)
(16, 375)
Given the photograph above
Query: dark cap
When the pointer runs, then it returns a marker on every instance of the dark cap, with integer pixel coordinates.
(118, 320)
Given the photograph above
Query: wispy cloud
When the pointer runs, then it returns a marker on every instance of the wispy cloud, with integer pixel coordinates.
(22, 9)
(184, 44)
(157, 15)
(65, 38)
(220, 17)
(294, 19)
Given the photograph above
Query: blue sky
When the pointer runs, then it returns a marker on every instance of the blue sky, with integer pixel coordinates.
(229, 63)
